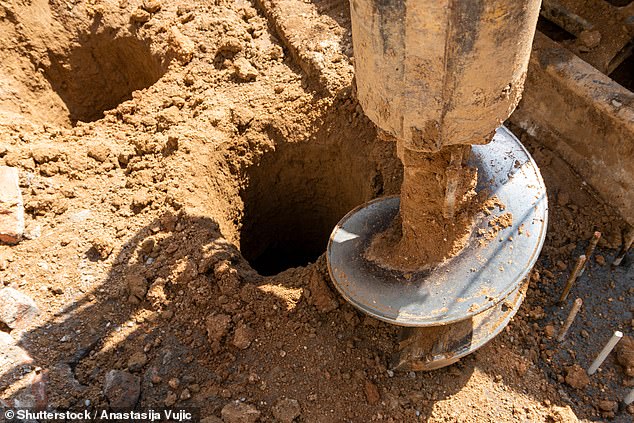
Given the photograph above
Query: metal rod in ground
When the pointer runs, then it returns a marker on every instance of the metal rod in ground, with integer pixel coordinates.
(571, 318)
(629, 398)
(627, 244)
(572, 278)
(590, 250)
(605, 352)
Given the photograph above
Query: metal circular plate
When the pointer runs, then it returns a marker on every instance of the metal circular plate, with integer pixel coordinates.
(478, 278)
(459, 339)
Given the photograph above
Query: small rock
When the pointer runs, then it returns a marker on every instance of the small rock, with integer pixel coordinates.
(140, 16)
(45, 154)
(371, 393)
(549, 331)
(229, 46)
(607, 405)
(168, 117)
(17, 310)
(102, 246)
(217, 327)
(561, 265)
(137, 361)
(174, 383)
(137, 287)
(239, 412)
(140, 200)
(170, 399)
(185, 395)
(151, 6)
(122, 389)
(168, 222)
(287, 410)
(576, 377)
(537, 313)
(244, 70)
(99, 152)
(33, 231)
(242, 116)
(563, 415)
(590, 39)
(243, 337)
(625, 355)
(600, 260)
(11, 206)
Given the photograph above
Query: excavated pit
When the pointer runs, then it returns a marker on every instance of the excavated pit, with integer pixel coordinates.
(296, 194)
(101, 72)
(70, 64)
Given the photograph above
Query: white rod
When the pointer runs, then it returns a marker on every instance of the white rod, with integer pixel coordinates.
(629, 398)
(605, 352)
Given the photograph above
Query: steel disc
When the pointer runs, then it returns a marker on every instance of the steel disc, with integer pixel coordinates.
(478, 278)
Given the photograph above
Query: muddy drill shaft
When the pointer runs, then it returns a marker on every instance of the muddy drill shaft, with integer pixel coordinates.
(439, 76)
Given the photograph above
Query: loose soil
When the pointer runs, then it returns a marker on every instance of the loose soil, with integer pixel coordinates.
(181, 174)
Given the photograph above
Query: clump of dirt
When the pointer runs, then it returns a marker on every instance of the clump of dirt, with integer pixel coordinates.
(625, 355)
(496, 224)
(437, 211)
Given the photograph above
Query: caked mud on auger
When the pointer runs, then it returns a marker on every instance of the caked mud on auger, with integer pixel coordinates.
(436, 214)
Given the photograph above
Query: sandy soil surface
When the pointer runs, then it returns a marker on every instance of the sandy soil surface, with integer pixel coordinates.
(182, 166)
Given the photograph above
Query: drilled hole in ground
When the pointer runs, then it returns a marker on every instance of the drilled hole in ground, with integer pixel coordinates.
(296, 195)
(101, 72)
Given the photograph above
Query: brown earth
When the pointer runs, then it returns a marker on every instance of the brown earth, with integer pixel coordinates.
(182, 170)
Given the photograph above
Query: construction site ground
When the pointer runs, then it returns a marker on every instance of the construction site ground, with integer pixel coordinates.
(182, 166)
